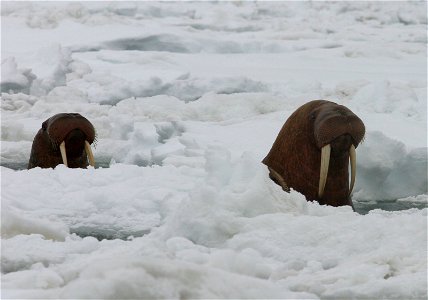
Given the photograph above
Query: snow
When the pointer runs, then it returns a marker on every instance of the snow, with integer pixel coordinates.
(187, 99)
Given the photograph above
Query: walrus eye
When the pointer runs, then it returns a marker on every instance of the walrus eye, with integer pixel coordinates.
(312, 116)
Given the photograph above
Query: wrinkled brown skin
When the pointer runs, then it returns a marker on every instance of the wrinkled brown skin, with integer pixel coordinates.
(296, 152)
(72, 128)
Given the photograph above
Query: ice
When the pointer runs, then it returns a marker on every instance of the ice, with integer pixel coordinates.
(388, 171)
(14, 224)
(15, 80)
(186, 100)
(419, 198)
(213, 226)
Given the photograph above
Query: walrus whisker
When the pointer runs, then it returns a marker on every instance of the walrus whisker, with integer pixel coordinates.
(95, 141)
(63, 153)
(325, 161)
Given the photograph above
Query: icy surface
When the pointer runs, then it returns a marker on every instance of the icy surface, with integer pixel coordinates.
(187, 99)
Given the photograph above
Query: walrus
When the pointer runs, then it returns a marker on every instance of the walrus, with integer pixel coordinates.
(64, 138)
(312, 151)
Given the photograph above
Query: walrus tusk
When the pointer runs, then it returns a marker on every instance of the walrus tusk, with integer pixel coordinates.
(325, 160)
(353, 159)
(89, 153)
(63, 153)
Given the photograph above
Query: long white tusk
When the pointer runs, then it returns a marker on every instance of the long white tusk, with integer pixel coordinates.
(325, 161)
(89, 153)
(63, 153)
(353, 159)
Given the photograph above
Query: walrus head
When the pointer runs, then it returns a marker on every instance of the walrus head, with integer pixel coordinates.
(64, 138)
(312, 152)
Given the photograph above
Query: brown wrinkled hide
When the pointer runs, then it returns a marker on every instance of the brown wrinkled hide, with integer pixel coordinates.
(72, 128)
(296, 152)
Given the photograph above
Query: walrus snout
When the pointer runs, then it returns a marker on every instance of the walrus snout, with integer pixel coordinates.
(341, 144)
(64, 138)
(60, 125)
(341, 147)
(331, 124)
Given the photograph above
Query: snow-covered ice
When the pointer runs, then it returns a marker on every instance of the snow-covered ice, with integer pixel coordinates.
(187, 98)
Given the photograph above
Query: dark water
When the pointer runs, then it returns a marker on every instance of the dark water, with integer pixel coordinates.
(387, 205)
(15, 165)
(107, 234)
